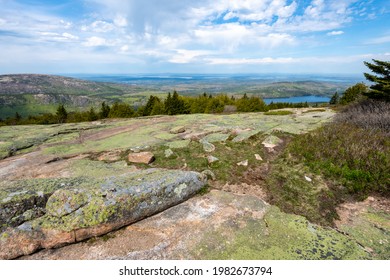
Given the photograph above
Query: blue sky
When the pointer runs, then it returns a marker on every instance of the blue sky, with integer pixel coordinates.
(186, 36)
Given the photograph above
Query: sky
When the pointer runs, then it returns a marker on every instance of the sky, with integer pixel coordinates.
(187, 36)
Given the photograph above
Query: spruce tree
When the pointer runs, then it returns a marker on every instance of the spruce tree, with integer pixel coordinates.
(92, 116)
(168, 104)
(104, 111)
(335, 99)
(353, 93)
(381, 89)
(61, 114)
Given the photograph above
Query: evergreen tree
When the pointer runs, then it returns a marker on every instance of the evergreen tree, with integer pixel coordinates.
(104, 111)
(147, 110)
(158, 108)
(214, 106)
(168, 104)
(335, 99)
(381, 89)
(18, 117)
(92, 116)
(353, 93)
(121, 110)
(61, 114)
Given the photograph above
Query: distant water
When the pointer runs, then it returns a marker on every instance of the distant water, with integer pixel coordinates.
(299, 99)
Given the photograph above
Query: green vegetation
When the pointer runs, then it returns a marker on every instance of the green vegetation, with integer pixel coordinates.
(357, 158)
(353, 93)
(335, 99)
(278, 113)
(229, 153)
(381, 89)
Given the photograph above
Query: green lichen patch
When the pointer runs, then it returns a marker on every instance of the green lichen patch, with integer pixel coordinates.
(277, 236)
(246, 135)
(20, 190)
(216, 137)
(178, 144)
(372, 230)
(63, 202)
(98, 169)
(23, 200)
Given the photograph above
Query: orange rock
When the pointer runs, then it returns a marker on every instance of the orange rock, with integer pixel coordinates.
(141, 157)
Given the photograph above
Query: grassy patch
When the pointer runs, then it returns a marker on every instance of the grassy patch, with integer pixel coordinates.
(357, 158)
(314, 110)
(278, 113)
(294, 189)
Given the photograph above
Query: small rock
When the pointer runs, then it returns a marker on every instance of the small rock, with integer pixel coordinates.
(212, 159)
(177, 130)
(308, 179)
(271, 142)
(168, 153)
(209, 174)
(208, 147)
(243, 163)
(258, 157)
(141, 157)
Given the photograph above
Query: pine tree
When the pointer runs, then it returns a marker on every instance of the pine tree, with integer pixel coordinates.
(353, 93)
(147, 110)
(92, 116)
(104, 111)
(381, 89)
(335, 99)
(168, 104)
(61, 114)
(121, 110)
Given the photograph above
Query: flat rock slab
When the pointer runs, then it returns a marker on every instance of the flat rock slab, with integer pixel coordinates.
(218, 225)
(216, 137)
(95, 207)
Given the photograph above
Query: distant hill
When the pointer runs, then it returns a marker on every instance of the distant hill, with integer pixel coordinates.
(50, 84)
(32, 94)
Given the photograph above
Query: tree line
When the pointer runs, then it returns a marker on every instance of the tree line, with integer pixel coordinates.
(174, 104)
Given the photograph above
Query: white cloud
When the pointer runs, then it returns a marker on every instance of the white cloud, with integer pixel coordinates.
(379, 40)
(187, 56)
(243, 61)
(120, 21)
(335, 33)
(95, 42)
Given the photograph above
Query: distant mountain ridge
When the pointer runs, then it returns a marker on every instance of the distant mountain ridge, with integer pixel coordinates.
(32, 94)
(51, 84)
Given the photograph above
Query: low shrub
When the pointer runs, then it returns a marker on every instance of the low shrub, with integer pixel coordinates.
(278, 113)
(358, 158)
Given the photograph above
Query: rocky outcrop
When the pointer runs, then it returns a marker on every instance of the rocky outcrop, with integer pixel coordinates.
(99, 206)
(217, 225)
